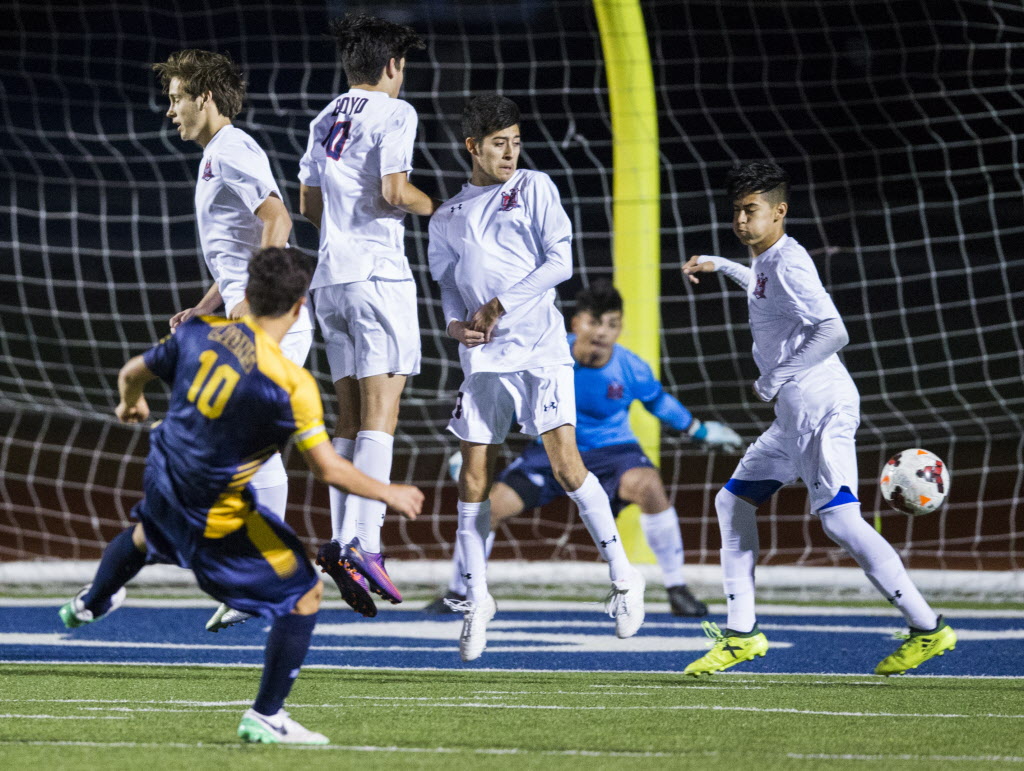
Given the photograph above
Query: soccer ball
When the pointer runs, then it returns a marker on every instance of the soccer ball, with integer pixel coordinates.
(915, 482)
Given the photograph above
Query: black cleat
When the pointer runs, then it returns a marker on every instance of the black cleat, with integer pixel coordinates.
(682, 603)
(438, 606)
(353, 589)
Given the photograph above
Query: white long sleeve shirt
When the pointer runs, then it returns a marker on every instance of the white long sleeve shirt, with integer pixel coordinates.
(511, 241)
(797, 333)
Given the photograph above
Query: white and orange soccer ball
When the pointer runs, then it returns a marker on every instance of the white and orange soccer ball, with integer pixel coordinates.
(915, 482)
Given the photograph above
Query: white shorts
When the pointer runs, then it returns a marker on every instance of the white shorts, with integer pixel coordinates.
(540, 399)
(369, 328)
(295, 347)
(825, 458)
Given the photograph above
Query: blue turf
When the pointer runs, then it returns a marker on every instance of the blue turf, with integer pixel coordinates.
(811, 651)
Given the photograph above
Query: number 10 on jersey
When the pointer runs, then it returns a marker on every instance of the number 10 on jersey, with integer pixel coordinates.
(335, 140)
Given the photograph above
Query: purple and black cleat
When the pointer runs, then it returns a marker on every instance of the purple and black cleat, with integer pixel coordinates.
(355, 590)
(371, 567)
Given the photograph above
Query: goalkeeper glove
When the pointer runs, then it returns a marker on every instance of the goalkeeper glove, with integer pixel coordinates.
(715, 435)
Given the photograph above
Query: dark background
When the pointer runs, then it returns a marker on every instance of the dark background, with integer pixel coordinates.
(899, 121)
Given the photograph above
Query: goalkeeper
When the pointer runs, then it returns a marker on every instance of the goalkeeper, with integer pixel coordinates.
(608, 379)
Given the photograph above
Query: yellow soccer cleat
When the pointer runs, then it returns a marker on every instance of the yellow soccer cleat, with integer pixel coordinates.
(727, 650)
(918, 648)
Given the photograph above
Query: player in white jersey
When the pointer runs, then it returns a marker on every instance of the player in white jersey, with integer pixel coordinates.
(797, 334)
(238, 211)
(498, 249)
(356, 190)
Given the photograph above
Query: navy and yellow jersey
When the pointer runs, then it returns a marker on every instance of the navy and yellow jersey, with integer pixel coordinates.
(235, 401)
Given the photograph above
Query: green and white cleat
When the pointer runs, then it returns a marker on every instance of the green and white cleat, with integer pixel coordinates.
(727, 650)
(918, 648)
(225, 617)
(74, 614)
(276, 729)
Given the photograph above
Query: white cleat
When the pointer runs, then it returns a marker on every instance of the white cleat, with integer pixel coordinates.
(225, 617)
(625, 603)
(75, 614)
(473, 639)
(276, 729)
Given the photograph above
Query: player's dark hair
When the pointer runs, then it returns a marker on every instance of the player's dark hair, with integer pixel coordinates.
(598, 299)
(762, 177)
(366, 44)
(202, 71)
(486, 114)
(278, 277)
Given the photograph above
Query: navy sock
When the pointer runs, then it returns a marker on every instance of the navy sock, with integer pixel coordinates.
(286, 649)
(120, 563)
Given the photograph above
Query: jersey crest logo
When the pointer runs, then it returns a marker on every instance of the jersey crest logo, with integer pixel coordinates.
(510, 200)
(615, 391)
(762, 279)
(208, 171)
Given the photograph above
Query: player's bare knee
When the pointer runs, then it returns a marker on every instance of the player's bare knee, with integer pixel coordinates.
(643, 487)
(139, 537)
(505, 503)
(309, 603)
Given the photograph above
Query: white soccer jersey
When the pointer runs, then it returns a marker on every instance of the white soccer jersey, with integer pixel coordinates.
(356, 140)
(511, 241)
(786, 300)
(234, 180)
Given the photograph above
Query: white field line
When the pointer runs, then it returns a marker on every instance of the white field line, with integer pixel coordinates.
(766, 609)
(502, 670)
(63, 717)
(927, 758)
(456, 702)
(364, 748)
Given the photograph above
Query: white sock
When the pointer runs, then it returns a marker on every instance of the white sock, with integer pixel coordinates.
(666, 541)
(846, 526)
(346, 449)
(596, 512)
(474, 525)
(273, 498)
(271, 486)
(372, 456)
(457, 583)
(737, 521)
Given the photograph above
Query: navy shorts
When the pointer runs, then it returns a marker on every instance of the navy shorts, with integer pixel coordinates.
(249, 559)
(530, 474)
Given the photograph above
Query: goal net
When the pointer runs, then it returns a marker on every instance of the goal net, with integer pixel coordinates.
(895, 119)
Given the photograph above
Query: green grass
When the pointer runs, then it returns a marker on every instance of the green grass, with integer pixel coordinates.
(502, 720)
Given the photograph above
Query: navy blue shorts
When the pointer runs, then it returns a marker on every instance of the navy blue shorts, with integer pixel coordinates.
(248, 559)
(530, 474)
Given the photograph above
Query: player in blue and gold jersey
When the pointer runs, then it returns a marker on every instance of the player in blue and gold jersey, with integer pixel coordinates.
(608, 379)
(235, 401)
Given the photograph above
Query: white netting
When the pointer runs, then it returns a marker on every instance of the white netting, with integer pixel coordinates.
(896, 119)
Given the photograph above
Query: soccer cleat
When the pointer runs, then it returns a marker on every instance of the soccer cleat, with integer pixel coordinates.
(625, 603)
(225, 617)
(682, 602)
(371, 567)
(440, 605)
(727, 650)
(918, 648)
(276, 729)
(473, 639)
(353, 587)
(74, 614)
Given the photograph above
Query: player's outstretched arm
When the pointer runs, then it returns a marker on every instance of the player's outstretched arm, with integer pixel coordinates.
(400, 192)
(211, 301)
(707, 263)
(327, 466)
(311, 204)
(277, 222)
(130, 381)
